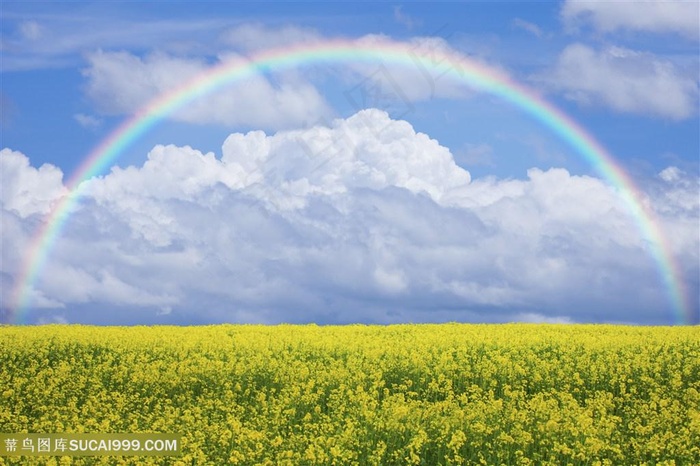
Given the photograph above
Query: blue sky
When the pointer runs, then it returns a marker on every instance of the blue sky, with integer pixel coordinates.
(468, 210)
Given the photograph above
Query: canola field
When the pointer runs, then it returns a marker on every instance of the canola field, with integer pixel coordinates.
(448, 394)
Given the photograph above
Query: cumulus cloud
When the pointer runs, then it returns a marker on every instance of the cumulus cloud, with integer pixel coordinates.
(368, 150)
(625, 80)
(27, 190)
(364, 220)
(122, 83)
(676, 16)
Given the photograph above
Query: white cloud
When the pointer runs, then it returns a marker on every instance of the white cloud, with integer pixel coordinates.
(670, 174)
(625, 80)
(368, 150)
(87, 121)
(533, 317)
(365, 220)
(527, 26)
(73, 284)
(404, 19)
(27, 190)
(122, 83)
(30, 30)
(252, 37)
(60, 40)
(675, 16)
(53, 319)
(476, 155)
(431, 72)
(676, 199)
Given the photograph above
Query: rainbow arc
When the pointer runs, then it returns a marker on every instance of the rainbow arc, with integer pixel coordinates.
(436, 62)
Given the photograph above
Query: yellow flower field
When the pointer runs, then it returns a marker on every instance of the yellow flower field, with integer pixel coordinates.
(448, 394)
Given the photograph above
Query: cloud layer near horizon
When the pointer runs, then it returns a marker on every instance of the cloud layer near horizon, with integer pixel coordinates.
(362, 221)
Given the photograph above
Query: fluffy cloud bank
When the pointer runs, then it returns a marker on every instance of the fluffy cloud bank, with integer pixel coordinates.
(27, 190)
(361, 221)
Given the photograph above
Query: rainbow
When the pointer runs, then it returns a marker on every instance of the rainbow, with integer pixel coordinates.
(467, 71)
